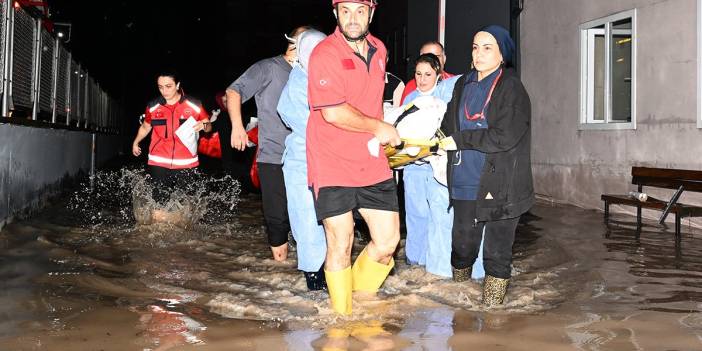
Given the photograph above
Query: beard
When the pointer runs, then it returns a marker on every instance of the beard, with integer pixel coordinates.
(349, 37)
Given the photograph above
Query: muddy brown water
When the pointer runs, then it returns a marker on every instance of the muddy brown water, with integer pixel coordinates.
(91, 279)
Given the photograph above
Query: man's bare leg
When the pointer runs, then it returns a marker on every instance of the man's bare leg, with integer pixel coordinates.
(339, 231)
(375, 262)
(384, 227)
(337, 267)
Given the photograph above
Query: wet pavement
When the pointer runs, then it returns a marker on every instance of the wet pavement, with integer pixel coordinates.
(82, 275)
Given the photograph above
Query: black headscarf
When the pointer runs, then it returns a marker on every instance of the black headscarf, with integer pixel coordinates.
(504, 41)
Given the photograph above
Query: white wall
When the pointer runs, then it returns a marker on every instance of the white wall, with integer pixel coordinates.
(577, 166)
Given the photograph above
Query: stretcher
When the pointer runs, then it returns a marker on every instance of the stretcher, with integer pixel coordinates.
(419, 131)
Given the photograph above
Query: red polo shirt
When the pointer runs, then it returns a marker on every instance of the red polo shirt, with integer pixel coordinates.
(337, 75)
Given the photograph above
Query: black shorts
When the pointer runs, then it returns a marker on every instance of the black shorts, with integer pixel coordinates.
(335, 200)
(164, 181)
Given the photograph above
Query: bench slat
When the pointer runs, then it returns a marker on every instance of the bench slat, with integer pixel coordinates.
(668, 183)
(653, 203)
(661, 178)
(666, 173)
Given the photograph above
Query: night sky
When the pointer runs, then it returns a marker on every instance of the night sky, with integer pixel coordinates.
(124, 44)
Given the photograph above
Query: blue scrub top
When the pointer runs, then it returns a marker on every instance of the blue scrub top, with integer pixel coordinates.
(294, 110)
(472, 112)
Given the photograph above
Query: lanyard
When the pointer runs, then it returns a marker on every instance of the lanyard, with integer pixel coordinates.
(481, 115)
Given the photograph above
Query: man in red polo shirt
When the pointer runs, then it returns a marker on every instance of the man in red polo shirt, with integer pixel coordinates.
(346, 81)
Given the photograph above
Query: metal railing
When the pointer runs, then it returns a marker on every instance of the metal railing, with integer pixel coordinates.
(41, 81)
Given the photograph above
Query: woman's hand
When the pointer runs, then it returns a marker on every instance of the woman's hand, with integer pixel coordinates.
(448, 144)
(136, 150)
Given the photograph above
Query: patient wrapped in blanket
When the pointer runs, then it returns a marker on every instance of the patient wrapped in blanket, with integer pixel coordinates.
(418, 124)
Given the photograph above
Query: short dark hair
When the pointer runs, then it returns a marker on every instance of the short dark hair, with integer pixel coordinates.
(169, 73)
(430, 59)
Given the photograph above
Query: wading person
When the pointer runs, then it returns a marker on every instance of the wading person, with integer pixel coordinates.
(489, 168)
(294, 110)
(169, 158)
(346, 82)
(265, 80)
(427, 215)
(235, 164)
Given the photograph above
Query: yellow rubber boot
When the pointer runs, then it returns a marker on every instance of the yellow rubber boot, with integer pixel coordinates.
(339, 285)
(369, 275)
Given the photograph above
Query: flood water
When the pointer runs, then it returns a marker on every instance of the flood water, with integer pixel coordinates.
(83, 275)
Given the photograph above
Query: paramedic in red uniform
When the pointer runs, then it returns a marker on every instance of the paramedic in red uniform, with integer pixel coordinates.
(346, 170)
(169, 159)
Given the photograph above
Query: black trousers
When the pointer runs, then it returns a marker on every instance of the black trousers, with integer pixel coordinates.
(466, 235)
(164, 181)
(234, 162)
(275, 204)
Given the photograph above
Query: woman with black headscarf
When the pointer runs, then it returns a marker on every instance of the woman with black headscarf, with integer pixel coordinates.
(488, 123)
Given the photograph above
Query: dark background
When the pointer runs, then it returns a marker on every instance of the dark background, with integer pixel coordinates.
(124, 44)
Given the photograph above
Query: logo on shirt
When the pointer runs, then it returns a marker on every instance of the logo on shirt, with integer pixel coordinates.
(322, 82)
(347, 64)
(188, 111)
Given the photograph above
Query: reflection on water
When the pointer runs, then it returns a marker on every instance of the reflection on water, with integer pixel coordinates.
(84, 269)
(167, 328)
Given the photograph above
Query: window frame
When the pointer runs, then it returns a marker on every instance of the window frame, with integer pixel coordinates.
(586, 91)
(699, 63)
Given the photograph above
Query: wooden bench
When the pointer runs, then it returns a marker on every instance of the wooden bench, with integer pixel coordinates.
(678, 179)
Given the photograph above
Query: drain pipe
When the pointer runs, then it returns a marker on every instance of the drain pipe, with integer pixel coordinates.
(36, 70)
(516, 8)
(54, 85)
(442, 22)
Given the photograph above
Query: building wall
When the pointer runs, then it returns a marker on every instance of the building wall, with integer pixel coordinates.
(34, 162)
(577, 166)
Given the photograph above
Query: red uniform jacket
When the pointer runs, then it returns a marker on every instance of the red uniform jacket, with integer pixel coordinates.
(166, 149)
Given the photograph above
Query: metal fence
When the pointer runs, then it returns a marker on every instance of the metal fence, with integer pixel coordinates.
(22, 56)
(40, 79)
(3, 29)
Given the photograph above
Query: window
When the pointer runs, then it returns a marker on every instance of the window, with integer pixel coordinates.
(699, 63)
(608, 72)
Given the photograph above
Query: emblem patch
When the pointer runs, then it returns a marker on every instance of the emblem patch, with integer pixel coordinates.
(348, 64)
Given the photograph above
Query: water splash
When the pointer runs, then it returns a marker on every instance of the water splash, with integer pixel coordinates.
(122, 199)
